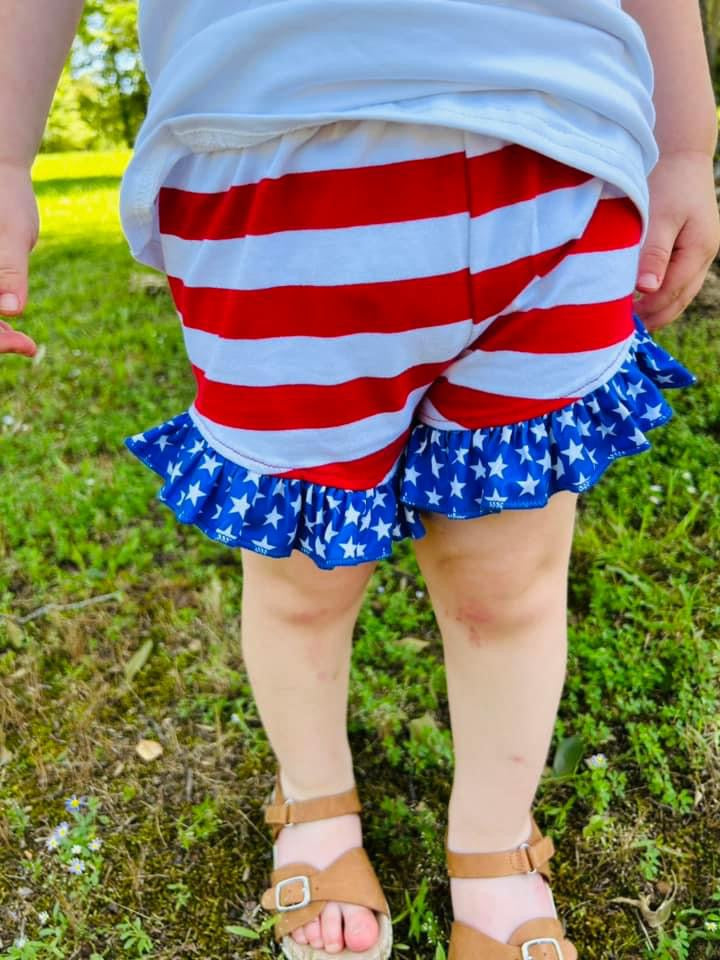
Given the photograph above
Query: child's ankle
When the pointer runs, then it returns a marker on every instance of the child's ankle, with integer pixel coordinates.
(464, 838)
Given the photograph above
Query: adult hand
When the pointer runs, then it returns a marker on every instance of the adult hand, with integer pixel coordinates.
(19, 227)
(683, 236)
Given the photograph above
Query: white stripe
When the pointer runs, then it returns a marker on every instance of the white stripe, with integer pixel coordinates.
(582, 278)
(513, 373)
(322, 361)
(307, 447)
(340, 146)
(530, 227)
(336, 257)
(376, 253)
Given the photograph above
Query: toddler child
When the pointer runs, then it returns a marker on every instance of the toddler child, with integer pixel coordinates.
(404, 239)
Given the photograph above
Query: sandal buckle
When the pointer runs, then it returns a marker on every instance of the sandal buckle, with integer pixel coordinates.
(531, 943)
(306, 894)
(526, 846)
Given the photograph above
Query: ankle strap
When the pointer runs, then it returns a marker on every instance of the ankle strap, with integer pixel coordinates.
(282, 812)
(529, 857)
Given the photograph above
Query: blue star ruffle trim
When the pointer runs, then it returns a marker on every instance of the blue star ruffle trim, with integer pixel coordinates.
(470, 473)
(459, 473)
(267, 514)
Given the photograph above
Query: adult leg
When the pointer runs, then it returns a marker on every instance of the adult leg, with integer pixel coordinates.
(499, 588)
(297, 627)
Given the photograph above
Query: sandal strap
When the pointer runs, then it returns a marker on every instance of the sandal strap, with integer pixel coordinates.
(282, 812)
(527, 858)
(299, 891)
(540, 939)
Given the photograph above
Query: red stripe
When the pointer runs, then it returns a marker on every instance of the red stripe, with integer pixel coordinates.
(615, 225)
(569, 329)
(318, 311)
(382, 193)
(475, 408)
(333, 311)
(358, 474)
(307, 406)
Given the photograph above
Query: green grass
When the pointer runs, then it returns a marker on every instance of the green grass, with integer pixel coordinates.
(185, 853)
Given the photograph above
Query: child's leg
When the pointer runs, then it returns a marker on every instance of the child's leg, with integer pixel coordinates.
(499, 588)
(297, 626)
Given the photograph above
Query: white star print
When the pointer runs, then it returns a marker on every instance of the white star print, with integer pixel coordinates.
(305, 544)
(456, 488)
(494, 497)
(138, 438)
(524, 452)
(478, 439)
(197, 447)
(559, 469)
(360, 549)
(330, 533)
(582, 479)
(668, 379)
(606, 431)
(639, 437)
(320, 547)
(506, 434)
(194, 493)
(546, 462)
(273, 517)
(227, 533)
(397, 532)
(351, 514)
(161, 442)
(460, 455)
(379, 499)
(365, 522)
(435, 466)
(210, 464)
(240, 505)
(635, 388)
(497, 466)
(296, 504)
(218, 511)
(252, 477)
(590, 454)
(409, 515)
(573, 452)
(411, 475)
(421, 448)
(652, 413)
(584, 428)
(333, 501)
(433, 496)
(263, 544)
(174, 471)
(594, 405)
(349, 547)
(566, 419)
(479, 469)
(539, 430)
(622, 410)
(382, 529)
(528, 485)
(434, 436)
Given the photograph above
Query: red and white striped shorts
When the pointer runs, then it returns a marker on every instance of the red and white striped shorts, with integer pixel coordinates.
(341, 283)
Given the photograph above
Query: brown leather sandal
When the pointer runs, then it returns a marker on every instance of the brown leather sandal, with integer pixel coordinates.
(299, 891)
(539, 939)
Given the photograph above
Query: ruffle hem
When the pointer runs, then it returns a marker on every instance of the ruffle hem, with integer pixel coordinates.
(458, 473)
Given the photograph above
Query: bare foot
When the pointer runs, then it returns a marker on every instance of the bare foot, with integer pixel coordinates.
(319, 842)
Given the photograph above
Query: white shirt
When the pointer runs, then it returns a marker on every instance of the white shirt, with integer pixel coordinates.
(571, 79)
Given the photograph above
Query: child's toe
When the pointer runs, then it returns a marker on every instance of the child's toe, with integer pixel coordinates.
(331, 926)
(360, 927)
